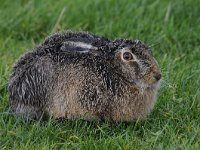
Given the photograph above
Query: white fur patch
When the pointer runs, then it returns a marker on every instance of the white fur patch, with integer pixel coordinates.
(85, 46)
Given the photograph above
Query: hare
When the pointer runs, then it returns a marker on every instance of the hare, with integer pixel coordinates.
(80, 75)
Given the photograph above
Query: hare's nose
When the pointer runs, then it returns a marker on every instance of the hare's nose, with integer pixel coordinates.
(157, 76)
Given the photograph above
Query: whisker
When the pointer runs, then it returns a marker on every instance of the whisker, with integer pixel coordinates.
(157, 41)
(155, 44)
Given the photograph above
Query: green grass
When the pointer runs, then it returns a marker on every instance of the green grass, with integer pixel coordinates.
(170, 27)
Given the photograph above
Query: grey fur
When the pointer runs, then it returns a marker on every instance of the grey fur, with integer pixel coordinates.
(81, 75)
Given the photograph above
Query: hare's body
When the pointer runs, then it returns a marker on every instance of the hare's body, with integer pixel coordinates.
(79, 75)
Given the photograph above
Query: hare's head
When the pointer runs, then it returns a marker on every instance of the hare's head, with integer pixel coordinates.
(136, 63)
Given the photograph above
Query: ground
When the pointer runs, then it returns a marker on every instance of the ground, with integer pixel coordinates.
(171, 29)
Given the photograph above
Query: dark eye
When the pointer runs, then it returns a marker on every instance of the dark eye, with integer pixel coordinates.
(127, 56)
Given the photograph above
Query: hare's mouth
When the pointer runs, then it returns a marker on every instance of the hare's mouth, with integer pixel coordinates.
(142, 84)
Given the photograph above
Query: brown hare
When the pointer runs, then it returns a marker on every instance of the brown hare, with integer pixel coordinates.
(81, 75)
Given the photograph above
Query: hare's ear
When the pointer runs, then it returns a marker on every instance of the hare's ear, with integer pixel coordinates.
(77, 46)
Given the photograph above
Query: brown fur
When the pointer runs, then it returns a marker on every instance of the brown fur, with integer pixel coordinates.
(80, 75)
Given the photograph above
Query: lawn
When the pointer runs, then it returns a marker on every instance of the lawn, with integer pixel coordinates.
(171, 28)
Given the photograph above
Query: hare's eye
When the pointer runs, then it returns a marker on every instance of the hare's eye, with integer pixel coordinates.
(127, 56)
